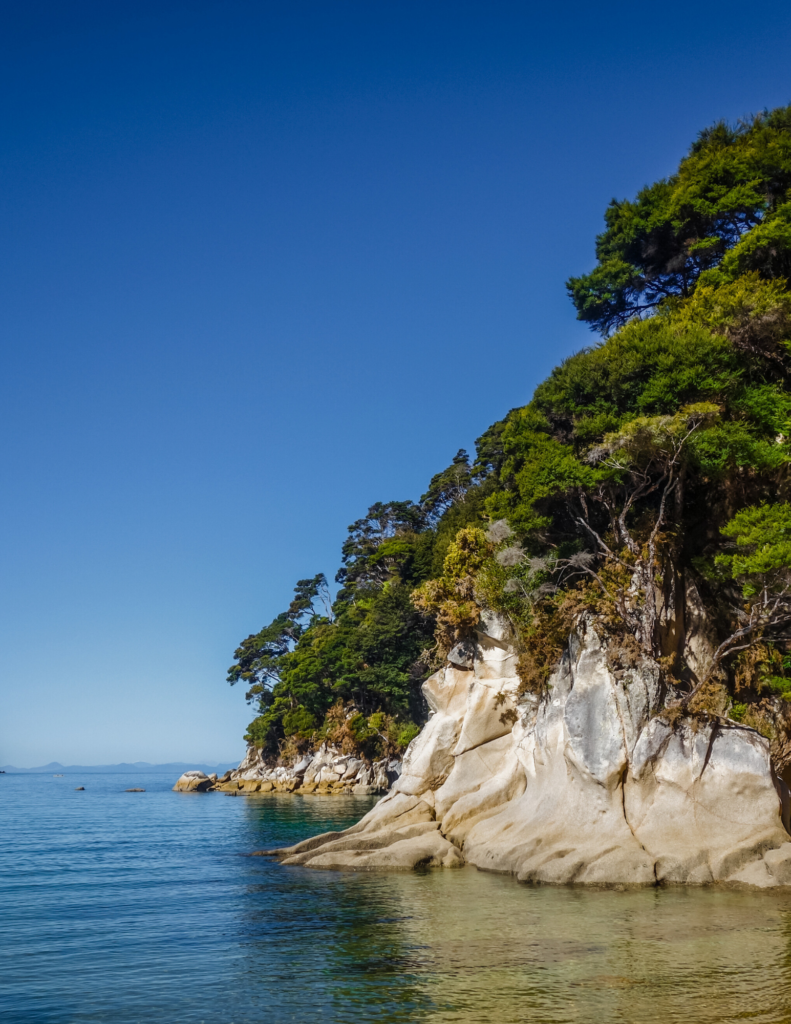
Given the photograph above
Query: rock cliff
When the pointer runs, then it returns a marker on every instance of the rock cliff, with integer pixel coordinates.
(585, 783)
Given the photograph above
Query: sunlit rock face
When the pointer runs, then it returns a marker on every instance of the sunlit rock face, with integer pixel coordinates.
(583, 784)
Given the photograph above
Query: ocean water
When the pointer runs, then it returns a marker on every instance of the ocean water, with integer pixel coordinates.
(144, 907)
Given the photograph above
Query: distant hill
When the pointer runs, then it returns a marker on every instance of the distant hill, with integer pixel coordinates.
(173, 767)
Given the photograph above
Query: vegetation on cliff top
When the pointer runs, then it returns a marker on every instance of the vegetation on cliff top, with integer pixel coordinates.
(646, 483)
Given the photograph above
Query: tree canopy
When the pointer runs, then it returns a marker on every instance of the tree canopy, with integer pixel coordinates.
(726, 207)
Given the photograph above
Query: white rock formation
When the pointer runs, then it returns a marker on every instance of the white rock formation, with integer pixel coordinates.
(326, 771)
(194, 782)
(582, 785)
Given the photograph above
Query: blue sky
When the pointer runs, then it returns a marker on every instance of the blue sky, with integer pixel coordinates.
(264, 264)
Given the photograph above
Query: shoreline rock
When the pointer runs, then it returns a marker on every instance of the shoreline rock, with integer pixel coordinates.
(328, 772)
(586, 783)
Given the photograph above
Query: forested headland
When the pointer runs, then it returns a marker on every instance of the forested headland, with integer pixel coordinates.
(646, 483)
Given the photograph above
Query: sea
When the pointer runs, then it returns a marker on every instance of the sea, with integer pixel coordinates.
(133, 908)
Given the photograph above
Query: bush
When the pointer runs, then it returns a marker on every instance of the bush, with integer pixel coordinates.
(299, 722)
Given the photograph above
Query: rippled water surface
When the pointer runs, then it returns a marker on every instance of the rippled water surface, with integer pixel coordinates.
(140, 907)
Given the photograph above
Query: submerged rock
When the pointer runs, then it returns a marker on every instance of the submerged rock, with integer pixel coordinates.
(583, 784)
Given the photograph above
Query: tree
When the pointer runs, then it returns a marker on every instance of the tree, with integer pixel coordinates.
(307, 592)
(377, 545)
(448, 487)
(260, 657)
(383, 654)
(646, 459)
(760, 563)
(733, 182)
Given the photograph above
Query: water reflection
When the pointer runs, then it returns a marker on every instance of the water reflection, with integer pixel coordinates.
(468, 946)
(503, 952)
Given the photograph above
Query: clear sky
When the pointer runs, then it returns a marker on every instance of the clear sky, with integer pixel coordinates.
(264, 264)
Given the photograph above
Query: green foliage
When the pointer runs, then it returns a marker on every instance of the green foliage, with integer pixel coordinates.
(733, 182)
(449, 487)
(364, 652)
(466, 554)
(654, 366)
(762, 559)
(765, 249)
(405, 733)
(372, 737)
(259, 658)
(450, 598)
(536, 467)
(299, 722)
(379, 546)
(728, 306)
(779, 685)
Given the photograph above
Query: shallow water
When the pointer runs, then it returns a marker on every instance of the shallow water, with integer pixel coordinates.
(139, 907)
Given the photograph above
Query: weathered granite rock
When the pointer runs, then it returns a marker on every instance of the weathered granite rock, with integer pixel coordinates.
(584, 784)
(193, 782)
(327, 772)
(463, 655)
(253, 762)
(302, 765)
(407, 838)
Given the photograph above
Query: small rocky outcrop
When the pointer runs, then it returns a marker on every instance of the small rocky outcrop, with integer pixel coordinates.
(193, 782)
(326, 772)
(585, 783)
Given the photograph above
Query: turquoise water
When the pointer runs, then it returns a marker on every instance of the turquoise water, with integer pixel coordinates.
(141, 907)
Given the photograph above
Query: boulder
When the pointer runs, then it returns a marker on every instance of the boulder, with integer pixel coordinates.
(302, 766)
(353, 766)
(323, 757)
(380, 782)
(192, 782)
(463, 655)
